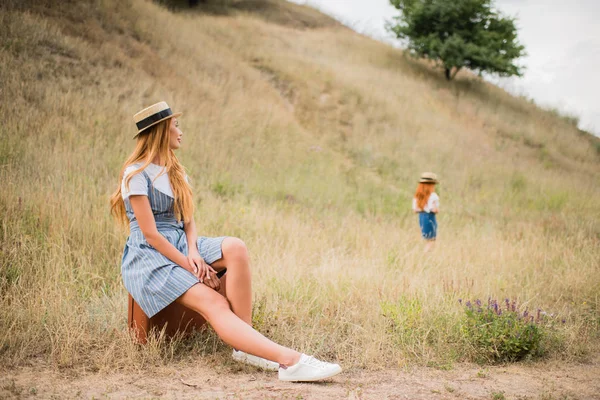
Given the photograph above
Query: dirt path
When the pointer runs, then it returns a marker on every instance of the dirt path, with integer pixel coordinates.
(204, 381)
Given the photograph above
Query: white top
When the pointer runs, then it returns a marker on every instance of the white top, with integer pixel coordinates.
(139, 185)
(432, 203)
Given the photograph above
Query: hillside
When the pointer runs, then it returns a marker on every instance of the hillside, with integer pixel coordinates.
(305, 139)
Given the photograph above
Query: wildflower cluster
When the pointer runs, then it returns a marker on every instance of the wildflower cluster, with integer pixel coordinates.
(500, 332)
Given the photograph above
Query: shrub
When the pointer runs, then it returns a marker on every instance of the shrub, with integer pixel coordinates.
(518, 182)
(502, 333)
(225, 188)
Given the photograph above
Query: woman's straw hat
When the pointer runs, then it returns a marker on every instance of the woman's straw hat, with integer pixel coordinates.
(428, 177)
(152, 115)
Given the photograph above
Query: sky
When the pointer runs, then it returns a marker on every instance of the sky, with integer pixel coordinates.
(561, 38)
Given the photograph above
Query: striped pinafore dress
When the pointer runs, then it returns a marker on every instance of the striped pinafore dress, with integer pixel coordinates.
(152, 279)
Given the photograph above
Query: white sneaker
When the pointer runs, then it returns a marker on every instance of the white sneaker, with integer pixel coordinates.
(309, 369)
(256, 361)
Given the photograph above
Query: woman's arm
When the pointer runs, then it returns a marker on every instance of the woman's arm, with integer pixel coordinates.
(203, 270)
(145, 219)
(192, 235)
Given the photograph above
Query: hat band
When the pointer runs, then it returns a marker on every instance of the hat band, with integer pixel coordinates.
(146, 122)
(427, 179)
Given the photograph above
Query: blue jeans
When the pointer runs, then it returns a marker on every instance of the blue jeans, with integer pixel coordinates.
(428, 225)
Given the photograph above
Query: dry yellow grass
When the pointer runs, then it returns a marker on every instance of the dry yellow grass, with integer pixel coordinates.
(306, 144)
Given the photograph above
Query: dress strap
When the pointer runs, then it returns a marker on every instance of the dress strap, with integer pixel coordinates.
(147, 180)
(146, 176)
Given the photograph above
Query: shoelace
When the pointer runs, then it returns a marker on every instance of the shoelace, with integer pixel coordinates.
(313, 362)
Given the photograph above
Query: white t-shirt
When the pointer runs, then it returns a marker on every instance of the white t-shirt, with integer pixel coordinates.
(432, 203)
(139, 185)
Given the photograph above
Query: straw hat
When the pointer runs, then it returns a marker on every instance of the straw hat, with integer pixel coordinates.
(428, 177)
(152, 115)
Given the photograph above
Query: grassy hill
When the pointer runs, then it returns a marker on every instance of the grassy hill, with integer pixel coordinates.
(305, 139)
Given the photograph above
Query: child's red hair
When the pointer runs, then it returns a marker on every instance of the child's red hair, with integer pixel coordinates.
(422, 194)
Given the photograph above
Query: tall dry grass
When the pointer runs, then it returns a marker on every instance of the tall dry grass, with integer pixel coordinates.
(306, 144)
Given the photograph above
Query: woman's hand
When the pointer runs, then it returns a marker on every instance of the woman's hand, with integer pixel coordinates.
(201, 269)
(213, 281)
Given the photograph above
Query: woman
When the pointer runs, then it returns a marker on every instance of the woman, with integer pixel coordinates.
(165, 261)
(427, 204)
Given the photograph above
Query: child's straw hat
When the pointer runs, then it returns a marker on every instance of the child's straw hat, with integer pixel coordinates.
(152, 115)
(428, 177)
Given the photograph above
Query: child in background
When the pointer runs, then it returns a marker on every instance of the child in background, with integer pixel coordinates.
(427, 204)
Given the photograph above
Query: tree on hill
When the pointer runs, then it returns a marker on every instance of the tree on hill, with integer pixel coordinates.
(459, 33)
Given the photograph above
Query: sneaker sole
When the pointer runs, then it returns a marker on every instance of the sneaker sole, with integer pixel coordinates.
(318, 378)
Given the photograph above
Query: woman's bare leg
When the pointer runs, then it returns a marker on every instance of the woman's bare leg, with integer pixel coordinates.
(239, 280)
(234, 331)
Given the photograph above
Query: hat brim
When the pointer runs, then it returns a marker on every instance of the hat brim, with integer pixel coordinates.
(176, 115)
(428, 181)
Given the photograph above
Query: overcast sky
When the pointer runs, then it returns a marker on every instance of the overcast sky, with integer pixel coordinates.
(562, 40)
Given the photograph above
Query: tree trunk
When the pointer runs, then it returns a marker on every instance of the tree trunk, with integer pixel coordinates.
(455, 72)
(449, 74)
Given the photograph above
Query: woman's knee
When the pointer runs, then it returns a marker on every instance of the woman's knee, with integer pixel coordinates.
(218, 306)
(234, 248)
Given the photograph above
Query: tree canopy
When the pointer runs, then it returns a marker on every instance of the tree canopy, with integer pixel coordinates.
(459, 33)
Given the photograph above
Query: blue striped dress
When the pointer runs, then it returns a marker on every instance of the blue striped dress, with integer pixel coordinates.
(152, 279)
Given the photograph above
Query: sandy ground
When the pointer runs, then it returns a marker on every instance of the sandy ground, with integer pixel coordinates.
(546, 381)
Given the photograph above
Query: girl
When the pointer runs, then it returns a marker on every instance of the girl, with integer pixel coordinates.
(427, 204)
(165, 261)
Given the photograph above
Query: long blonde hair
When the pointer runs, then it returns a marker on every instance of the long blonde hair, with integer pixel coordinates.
(151, 144)
(423, 192)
